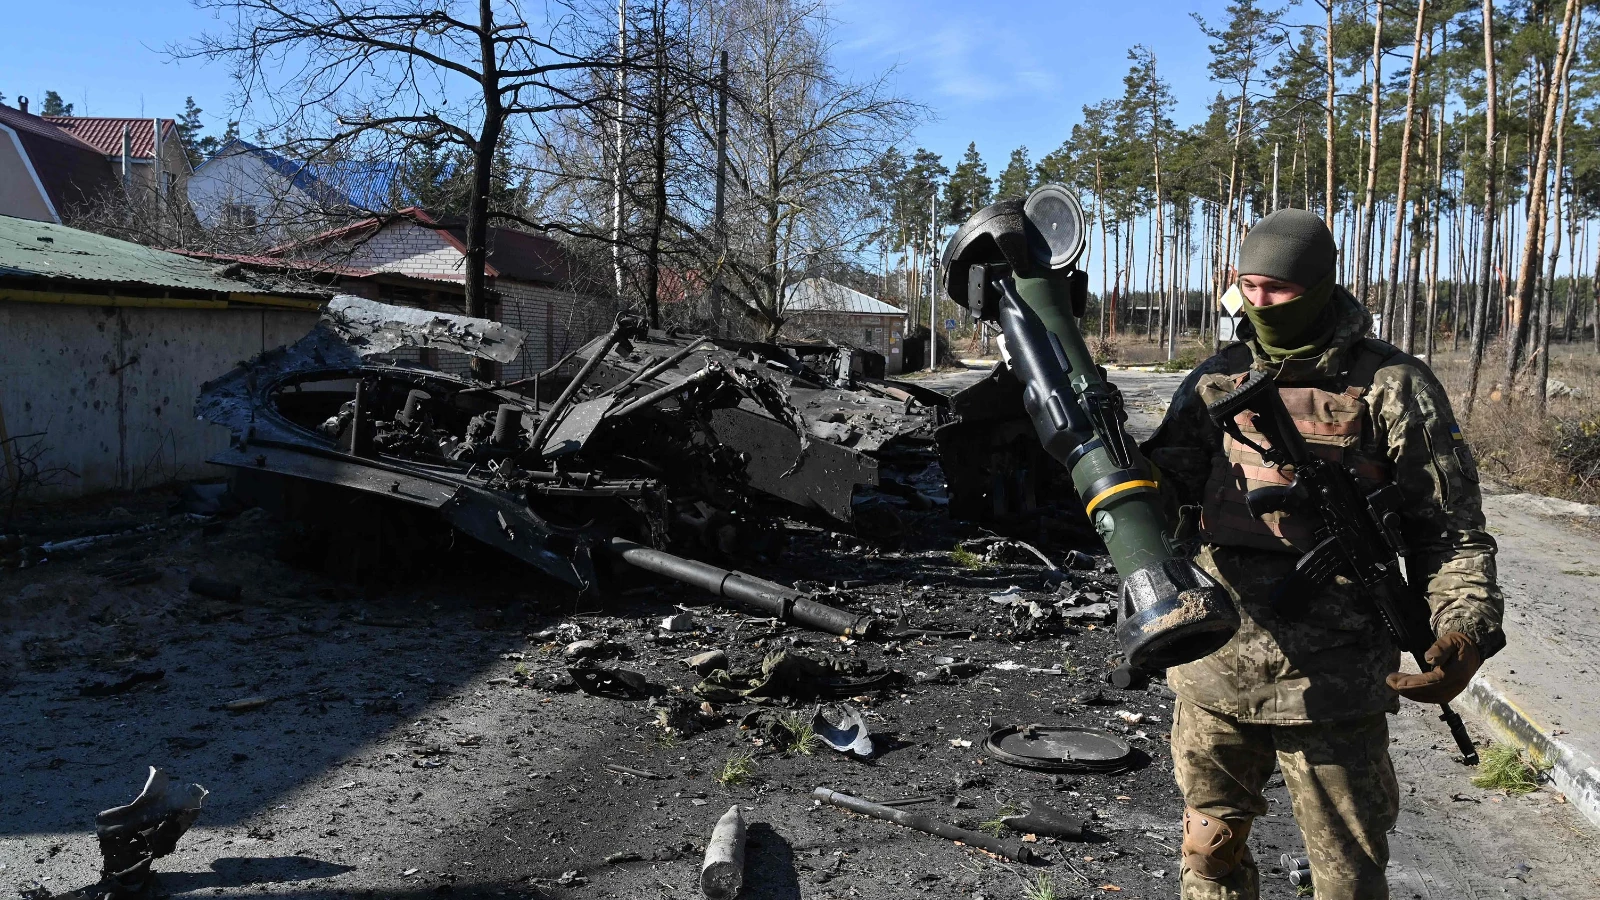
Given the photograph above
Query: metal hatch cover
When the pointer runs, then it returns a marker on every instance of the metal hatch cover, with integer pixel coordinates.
(1059, 748)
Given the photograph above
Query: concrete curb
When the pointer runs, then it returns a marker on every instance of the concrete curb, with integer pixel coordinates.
(1572, 770)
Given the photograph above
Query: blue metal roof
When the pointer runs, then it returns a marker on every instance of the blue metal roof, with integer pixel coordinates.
(353, 183)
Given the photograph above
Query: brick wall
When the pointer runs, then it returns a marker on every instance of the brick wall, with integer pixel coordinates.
(407, 248)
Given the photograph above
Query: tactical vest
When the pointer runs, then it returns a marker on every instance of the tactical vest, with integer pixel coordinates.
(1334, 419)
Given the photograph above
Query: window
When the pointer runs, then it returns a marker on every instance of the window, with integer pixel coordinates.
(869, 337)
(238, 215)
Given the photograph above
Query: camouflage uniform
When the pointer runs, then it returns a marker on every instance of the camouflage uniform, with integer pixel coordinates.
(1312, 691)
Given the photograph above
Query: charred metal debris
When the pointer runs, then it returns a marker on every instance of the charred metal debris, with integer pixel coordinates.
(637, 447)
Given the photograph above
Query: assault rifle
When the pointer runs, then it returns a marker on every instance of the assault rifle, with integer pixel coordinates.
(1358, 535)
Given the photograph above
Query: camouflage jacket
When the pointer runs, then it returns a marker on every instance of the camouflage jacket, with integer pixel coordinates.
(1331, 663)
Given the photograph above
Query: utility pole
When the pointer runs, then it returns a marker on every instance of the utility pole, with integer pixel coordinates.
(722, 181)
(617, 175)
(1274, 176)
(933, 277)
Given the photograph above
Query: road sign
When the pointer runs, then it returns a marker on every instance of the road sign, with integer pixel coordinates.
(949, 324)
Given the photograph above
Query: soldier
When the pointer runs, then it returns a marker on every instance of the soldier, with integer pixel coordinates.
(1310, 694)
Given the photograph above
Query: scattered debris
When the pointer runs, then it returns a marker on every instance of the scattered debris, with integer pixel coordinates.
(849, 735)
(1016, 851)
(1059, 748)
(133, 680)
(216, 589)
(133, 836)
(704, 664)
(1127, 678)
(593, 648)
(784, 673)
(245, 704)
(722, 872)
(909, 801)
(679, 622)
(1046, 820)
(628, 770)
(608, 682)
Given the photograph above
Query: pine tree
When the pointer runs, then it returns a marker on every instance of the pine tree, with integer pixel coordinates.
(196, 146)
(968, 189)
(53, 105)
(1017, 179)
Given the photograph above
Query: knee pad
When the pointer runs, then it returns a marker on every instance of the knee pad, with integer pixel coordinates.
(1212, 848)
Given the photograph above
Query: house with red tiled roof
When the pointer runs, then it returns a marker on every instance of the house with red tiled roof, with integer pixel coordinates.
(46, 172)
(413, 258)
(146, 155)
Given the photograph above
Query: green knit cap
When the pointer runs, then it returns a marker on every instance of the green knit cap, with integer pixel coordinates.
(1289, 245)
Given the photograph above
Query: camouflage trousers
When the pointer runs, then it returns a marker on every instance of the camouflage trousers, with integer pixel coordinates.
(1341, 783)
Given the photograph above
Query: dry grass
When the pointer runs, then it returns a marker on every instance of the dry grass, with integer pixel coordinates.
(1512, 443)
(738, 769)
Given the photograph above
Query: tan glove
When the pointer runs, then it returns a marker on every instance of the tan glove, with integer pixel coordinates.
(1455, 660)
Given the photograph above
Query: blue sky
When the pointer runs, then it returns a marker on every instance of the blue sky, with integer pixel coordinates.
(1001, 73)
(1008, 73)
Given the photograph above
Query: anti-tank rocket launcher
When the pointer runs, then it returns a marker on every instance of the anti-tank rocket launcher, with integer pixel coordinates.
(1014, 263)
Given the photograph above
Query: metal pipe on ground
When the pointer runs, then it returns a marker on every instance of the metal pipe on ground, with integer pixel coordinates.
(786, 604)
(1016, 851)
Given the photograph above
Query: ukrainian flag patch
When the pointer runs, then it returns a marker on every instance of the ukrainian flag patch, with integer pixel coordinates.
(1455, 432)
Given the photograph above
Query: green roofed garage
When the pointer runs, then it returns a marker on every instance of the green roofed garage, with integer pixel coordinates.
(104, 345)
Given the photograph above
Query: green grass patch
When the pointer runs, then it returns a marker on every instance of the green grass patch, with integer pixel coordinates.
(995, 827)
(1043, 887)
(1504, 768)
(805, 740)
(738, 769)
(966, 559)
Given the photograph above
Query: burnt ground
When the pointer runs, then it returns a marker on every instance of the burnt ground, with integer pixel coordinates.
(412, 746)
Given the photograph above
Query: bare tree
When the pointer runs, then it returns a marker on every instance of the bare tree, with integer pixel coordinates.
(381, 78)
(1533, 241)
(1563, 84)
(1369, 205)
(801, 142)
(1401, 198)
(1480, 306)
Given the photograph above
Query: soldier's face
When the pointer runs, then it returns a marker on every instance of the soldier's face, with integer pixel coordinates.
(1260, 290)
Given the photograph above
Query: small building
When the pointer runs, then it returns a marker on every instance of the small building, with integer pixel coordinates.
(145, 156)
(817, 308)
(412, 258)
(45, 172)
(104, 345)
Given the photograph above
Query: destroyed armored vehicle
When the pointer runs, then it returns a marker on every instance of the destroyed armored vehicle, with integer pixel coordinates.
(672, 441)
